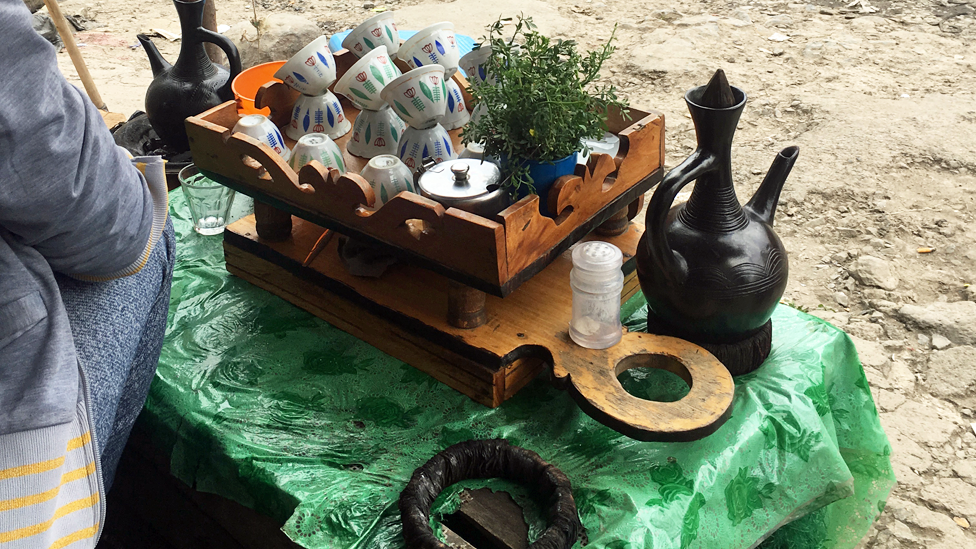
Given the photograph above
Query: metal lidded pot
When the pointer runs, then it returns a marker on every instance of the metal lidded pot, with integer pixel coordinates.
(466, 184)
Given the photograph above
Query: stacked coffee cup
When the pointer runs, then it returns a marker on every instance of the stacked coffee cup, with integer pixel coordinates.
(377, 129)
(311, 71)
(421, 96)
(436, 44)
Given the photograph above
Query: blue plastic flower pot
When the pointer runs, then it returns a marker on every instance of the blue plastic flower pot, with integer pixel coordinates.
(544, 174)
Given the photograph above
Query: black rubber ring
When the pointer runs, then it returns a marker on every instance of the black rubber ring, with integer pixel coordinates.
(475, 459)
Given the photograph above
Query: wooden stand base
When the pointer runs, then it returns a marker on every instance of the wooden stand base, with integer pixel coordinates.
(404, 313)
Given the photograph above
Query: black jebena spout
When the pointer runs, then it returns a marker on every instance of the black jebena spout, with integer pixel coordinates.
(711, 269)
(193, 84)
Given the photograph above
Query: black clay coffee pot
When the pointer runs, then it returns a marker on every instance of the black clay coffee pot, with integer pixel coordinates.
(192, 85)
(711, 269)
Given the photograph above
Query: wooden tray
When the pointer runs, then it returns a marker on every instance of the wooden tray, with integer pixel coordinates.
(492, 255)
(403, 314)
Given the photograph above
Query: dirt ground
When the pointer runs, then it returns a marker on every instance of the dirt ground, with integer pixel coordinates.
(878, 94)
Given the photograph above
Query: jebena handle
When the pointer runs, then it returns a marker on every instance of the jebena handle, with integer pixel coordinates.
(672, 265)
(233, 56)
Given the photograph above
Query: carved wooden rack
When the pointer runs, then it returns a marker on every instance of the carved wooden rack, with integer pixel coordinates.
(491, 255)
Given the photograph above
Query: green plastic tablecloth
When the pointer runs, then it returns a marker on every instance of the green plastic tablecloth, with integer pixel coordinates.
(263, 403)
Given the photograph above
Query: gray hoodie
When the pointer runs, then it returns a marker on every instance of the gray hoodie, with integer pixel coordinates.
(71, 202)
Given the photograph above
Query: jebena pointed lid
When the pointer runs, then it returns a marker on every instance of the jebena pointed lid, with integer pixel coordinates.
(718, 92)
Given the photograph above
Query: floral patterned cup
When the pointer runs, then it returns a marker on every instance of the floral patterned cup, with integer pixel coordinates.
(312, 70)
(388, 177)
(456, 114)
(473, 64)
(259, 127)
(435, 45)
(318, 114)
(364, 81)
(419, 97)
(416, 145)
(379, 30)
(317, 146)
(375, 133)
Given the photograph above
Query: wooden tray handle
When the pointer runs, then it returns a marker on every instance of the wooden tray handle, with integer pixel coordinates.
(591, 378)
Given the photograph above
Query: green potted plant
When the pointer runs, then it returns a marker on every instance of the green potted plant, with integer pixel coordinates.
(541, 99)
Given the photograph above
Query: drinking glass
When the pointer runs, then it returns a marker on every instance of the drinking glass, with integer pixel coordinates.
(209, 201)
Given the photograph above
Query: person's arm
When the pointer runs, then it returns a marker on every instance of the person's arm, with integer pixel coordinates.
(66, 189)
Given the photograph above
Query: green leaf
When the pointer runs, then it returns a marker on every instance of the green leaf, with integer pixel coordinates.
(368, 128)
(818, 394)
(690, 522)
(400, 108)
(359, 94)
(426, 90)
(393, 132)
(670, 492)
(377, 74)
(389, 34)
(339, 164)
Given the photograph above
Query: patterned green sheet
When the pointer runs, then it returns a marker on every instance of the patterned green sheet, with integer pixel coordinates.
(263, 403)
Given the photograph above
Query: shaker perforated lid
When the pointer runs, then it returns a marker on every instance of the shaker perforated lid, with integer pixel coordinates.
(597, 257)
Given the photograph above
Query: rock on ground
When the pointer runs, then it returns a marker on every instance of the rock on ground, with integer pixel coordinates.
(956, 320)
(930, 529)
(952, 494)
(952, 375)
(872, 271)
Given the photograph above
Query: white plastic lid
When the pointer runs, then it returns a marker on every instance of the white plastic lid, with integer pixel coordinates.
(597, 257)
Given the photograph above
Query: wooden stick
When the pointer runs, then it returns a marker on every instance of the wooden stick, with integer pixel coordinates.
(76, 59)
(210, 23)
(320, 245)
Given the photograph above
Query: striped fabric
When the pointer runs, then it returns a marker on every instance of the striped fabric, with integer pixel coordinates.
(50, 488)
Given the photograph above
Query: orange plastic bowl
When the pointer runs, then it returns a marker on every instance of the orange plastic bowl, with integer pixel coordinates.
(247, 84)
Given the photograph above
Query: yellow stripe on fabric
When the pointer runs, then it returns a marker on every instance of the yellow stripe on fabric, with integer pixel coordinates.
(78, 442)
(70, 476)
(77, 505)
(77, 536)
(154, 234)
(32, 469)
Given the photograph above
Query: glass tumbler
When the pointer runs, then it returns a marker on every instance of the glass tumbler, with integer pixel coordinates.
(596, 280)
(209, 201)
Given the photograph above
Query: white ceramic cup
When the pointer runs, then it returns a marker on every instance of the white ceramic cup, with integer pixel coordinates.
(456, 114)
(378, 30)
(473, 64)
(419, 97)
(312, 70)
(318, 114)
(259, 127)
(388, 177)
(317, 146)
(364, 81)
(416, 145)
(433, 45)
(375, 133)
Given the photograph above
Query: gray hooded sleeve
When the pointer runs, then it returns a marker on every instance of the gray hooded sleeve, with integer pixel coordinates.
(66, 189)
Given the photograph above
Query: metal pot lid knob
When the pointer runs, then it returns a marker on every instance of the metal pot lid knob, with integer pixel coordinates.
(460, 172)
